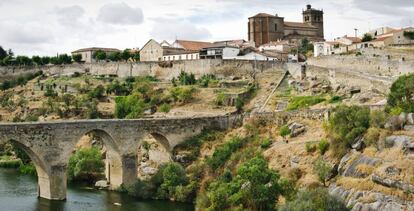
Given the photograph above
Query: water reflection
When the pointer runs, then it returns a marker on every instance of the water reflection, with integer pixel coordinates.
(19, 192)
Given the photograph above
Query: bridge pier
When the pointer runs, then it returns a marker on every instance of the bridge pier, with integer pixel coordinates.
(129, 169)
(53, 186)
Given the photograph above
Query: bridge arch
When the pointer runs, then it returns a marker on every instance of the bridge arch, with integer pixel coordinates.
(112, 156)
(44, 176)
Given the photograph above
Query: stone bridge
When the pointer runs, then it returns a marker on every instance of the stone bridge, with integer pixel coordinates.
(50, 144)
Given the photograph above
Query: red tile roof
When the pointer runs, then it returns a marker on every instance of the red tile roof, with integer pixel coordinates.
(354, 39)
(193, 45)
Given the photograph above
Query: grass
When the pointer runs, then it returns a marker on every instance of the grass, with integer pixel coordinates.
(299, 102)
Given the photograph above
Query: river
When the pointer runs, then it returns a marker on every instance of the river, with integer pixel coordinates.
(19, 192)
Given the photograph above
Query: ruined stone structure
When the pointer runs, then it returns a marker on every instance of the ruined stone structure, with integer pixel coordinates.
(50, 144)
(264, 28)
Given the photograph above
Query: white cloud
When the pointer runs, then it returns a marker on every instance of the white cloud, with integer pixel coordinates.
(120, 13)
(170, 29)
(70, 15)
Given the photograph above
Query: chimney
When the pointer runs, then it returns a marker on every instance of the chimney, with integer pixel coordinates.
(308, 6)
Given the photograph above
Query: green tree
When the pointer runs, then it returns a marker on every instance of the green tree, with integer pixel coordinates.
(45, 60)
(86, 162)
(99, 55)
(115, 56)
(402, 94)
(345, 125)
(77, 58)
(367, 37)
(125, 55)
(37, 60)
(3, 53)
(322, 169)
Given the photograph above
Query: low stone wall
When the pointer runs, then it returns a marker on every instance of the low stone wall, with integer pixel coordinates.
(283, 117)
(160, 70)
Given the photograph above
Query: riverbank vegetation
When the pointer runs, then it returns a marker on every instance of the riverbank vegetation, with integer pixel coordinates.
(86, 164)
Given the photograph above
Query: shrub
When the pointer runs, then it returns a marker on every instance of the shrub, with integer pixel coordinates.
(142, 189)
(378, 119)
(314, 199)
(401, 93)
(29, 169)
(309, 147)
(186, 79)
(239, 104)
(97, 92)
(181, 94)
(50, 92)
(86, 162)
(322, 169)
(323, 146)
(129, 107)
(77, 58)
(335, 99)
(168, 177)
(165, 107)
(220, 99)
(299, 102)
(266, 143)
(345, 125)
(395, 111)
(372, 136)
(254, 187)
(205, 80)
(284, 131)
(367, 37)
(223, 152)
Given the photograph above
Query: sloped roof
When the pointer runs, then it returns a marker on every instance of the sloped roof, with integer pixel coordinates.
(354, 39)
(235, 42)
(193, 45)
(260, 15)
(299, 25)
(96, 49)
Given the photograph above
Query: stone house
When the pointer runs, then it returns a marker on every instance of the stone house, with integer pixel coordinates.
(264, 28)
(151, 51)
(88, 53)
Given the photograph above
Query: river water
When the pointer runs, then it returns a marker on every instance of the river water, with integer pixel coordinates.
(19, 192)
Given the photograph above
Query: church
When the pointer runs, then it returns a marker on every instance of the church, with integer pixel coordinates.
(264, 28)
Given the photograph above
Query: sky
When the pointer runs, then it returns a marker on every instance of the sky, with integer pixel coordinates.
(48, 27)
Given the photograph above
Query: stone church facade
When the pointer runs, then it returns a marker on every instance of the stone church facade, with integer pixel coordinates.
(264, 28)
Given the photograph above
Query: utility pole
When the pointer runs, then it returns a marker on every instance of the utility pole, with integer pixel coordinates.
(356, 32)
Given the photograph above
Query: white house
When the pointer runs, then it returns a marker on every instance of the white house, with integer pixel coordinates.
(219, 51)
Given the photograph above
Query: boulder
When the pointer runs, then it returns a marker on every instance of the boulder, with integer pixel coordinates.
(397, 141)
(410, 118)
(392, 171)
(393, 183)
(102, 184)
(394, 123)
(296, 129)
(409, 127)
(359, 144)
(149, 170)
(402, 118)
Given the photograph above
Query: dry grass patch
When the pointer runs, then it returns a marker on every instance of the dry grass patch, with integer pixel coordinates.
(367, 185)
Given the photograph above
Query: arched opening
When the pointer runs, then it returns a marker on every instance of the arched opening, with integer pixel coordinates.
(15, 154)
(96, 159)
(153, 151)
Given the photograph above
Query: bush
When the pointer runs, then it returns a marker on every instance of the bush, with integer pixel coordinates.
(29, 169)
(378, 119)
(97, 92)
(223, 152)
(220, 99)
(77, 58)
(335, 99)
(401, 94)
(239, 104)
(253, 187)
(168, 178)
(181, 94)
(186, 79)
(284, 131)
(372, 137)
(86, 163)
(323, 146)
(50, 92)
(205, 80)
(322, 169)
(266, 143)
(314, 199)
(142, 189)
(309, 147)
(165, 107)
(345, 125)
(129, 107)
(303, 102)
